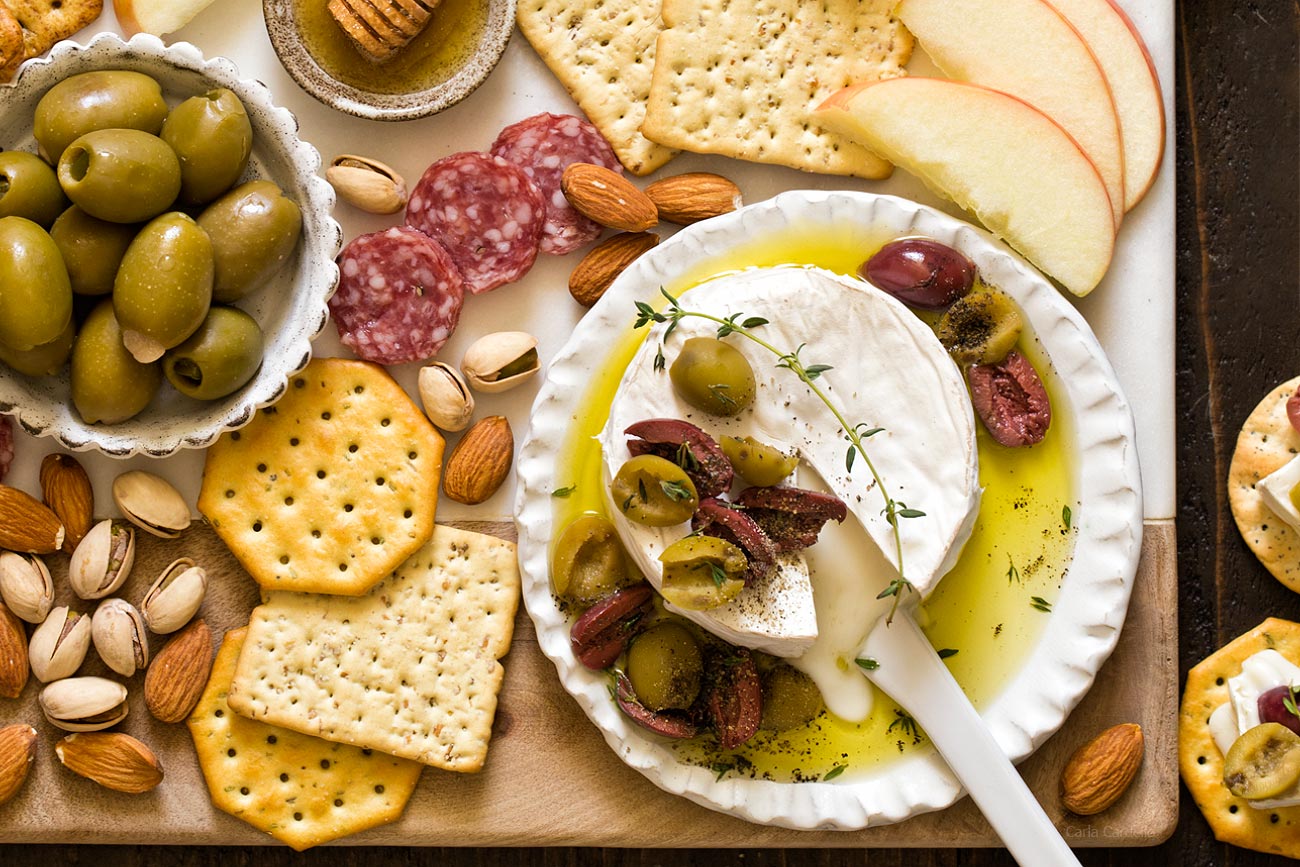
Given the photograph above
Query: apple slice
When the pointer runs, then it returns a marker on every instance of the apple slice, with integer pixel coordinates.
(158, 17)
(1022, 175)
(1027, 49)
(1134, 85)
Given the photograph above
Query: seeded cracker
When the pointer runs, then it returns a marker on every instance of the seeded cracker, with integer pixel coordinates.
(603, 54)
(332, 488)
(741, 78)
(299, 789)
(45, 22)
(1266, 443)
(410, 669)
(1231, 818)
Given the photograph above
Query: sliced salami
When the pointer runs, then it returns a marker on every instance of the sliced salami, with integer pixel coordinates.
(485, 212)
(543, 146)
(399, 296)
(6, 445)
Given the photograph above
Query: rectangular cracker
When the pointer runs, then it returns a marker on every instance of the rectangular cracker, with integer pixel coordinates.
(603, 54)
(301, 790)
(741, 78)
(45, 22)
(409, 669)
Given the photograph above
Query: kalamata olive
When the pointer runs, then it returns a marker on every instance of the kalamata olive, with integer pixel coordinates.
(713, 375)
(758, 463)
(653, 491)
(213, 138)
(665, 666)
(35, 293)
(718, 518)
(92, 249)
(120, 175)
(601, 634)
(589, 561)
(103, 99)
(29, 188)
(1272, 705)
(1293, 410)
(44, 360)
(218, 358)
(980, 328)
(668, 723)
(1263, 762)
(920, 271)
(687, 446)
(790, 698)
(792, 517)
(1011, 401)
(254, 229)
(733, 695)
(702, 572)
(108, 385)
(164, 286)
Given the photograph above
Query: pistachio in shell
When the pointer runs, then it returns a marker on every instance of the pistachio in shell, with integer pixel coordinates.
(447, 400)
(175, 597)
(118, 631)
(103, 559)
(367, 184)
(500, 361)
(26, 586)
(59, 645)
(84, 704)
(151, 503)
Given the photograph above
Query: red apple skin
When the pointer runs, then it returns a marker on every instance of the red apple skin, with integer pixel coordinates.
(1155, 78)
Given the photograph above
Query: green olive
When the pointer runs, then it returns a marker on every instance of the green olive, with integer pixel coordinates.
(589, 561)
(702, 572)
(44, 360)
(108, 385)
(1263, 763)
(790, 698)
(213, 138)
(713, 376)
(254, 229)
(92, 249)
(105, 99)
(164, 286)
(654, 491)
(980, 328)
(758, 463)
(35, 293)
(29, 188)
(218, 358)
(120, 175)
(665, 667)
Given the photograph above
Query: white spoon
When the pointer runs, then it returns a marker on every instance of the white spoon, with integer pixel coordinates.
(914, 676)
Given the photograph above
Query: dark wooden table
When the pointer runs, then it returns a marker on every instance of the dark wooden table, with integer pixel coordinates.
(1238, 147)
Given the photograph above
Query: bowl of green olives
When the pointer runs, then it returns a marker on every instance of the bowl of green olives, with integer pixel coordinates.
(166, 247)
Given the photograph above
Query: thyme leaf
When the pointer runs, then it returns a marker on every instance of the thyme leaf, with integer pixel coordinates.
(1040, 604)
(561, 493)
(834, 772)
(866, 663)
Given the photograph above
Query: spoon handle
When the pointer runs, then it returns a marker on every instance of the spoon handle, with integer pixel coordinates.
(913, 675)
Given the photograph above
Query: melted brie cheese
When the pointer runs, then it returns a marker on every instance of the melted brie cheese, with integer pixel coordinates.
(1275, 490)
(888, 371)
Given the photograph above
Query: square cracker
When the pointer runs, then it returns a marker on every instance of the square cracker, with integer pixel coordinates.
(741, 78)
(1266, 443)
(45, 22)
(1232, 819)
(330, 489)
(603, 54)
(410, 669)
(301, 790)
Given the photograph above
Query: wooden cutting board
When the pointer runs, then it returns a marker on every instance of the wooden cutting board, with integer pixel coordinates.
(551, 780)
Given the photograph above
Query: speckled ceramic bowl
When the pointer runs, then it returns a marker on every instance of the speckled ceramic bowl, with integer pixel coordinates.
(285, 29)
(291, 308)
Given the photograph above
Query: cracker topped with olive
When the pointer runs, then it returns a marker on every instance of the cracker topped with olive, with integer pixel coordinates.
(127, 239)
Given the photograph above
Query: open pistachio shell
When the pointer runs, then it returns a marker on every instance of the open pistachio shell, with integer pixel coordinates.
(84, 704)
(175, 597)
(26, 586)
(447, 399)
(102, 560)
(501, 361)
(59, 645)
(119, 635)
(151, 503)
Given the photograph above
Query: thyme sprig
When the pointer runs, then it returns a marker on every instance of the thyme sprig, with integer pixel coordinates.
(854, 434)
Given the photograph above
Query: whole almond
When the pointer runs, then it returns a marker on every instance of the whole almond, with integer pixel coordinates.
(1101, 770)
(480, 462)
(27, 525)
(17, 751)
(606, 261)
(176, 677)
(692, 197)
(115, 760)
(607, 197)
(13, 655)
(66, 489)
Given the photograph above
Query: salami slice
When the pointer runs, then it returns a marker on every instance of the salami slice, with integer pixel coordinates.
(6, 445)
(543, 146)
(399, 296)
(485, 212)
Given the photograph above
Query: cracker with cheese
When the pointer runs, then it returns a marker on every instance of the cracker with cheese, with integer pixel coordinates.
(742, 77)
(301, 790)
(332, 488)
(1200, 758)
(1265, 470)
(411, 669)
